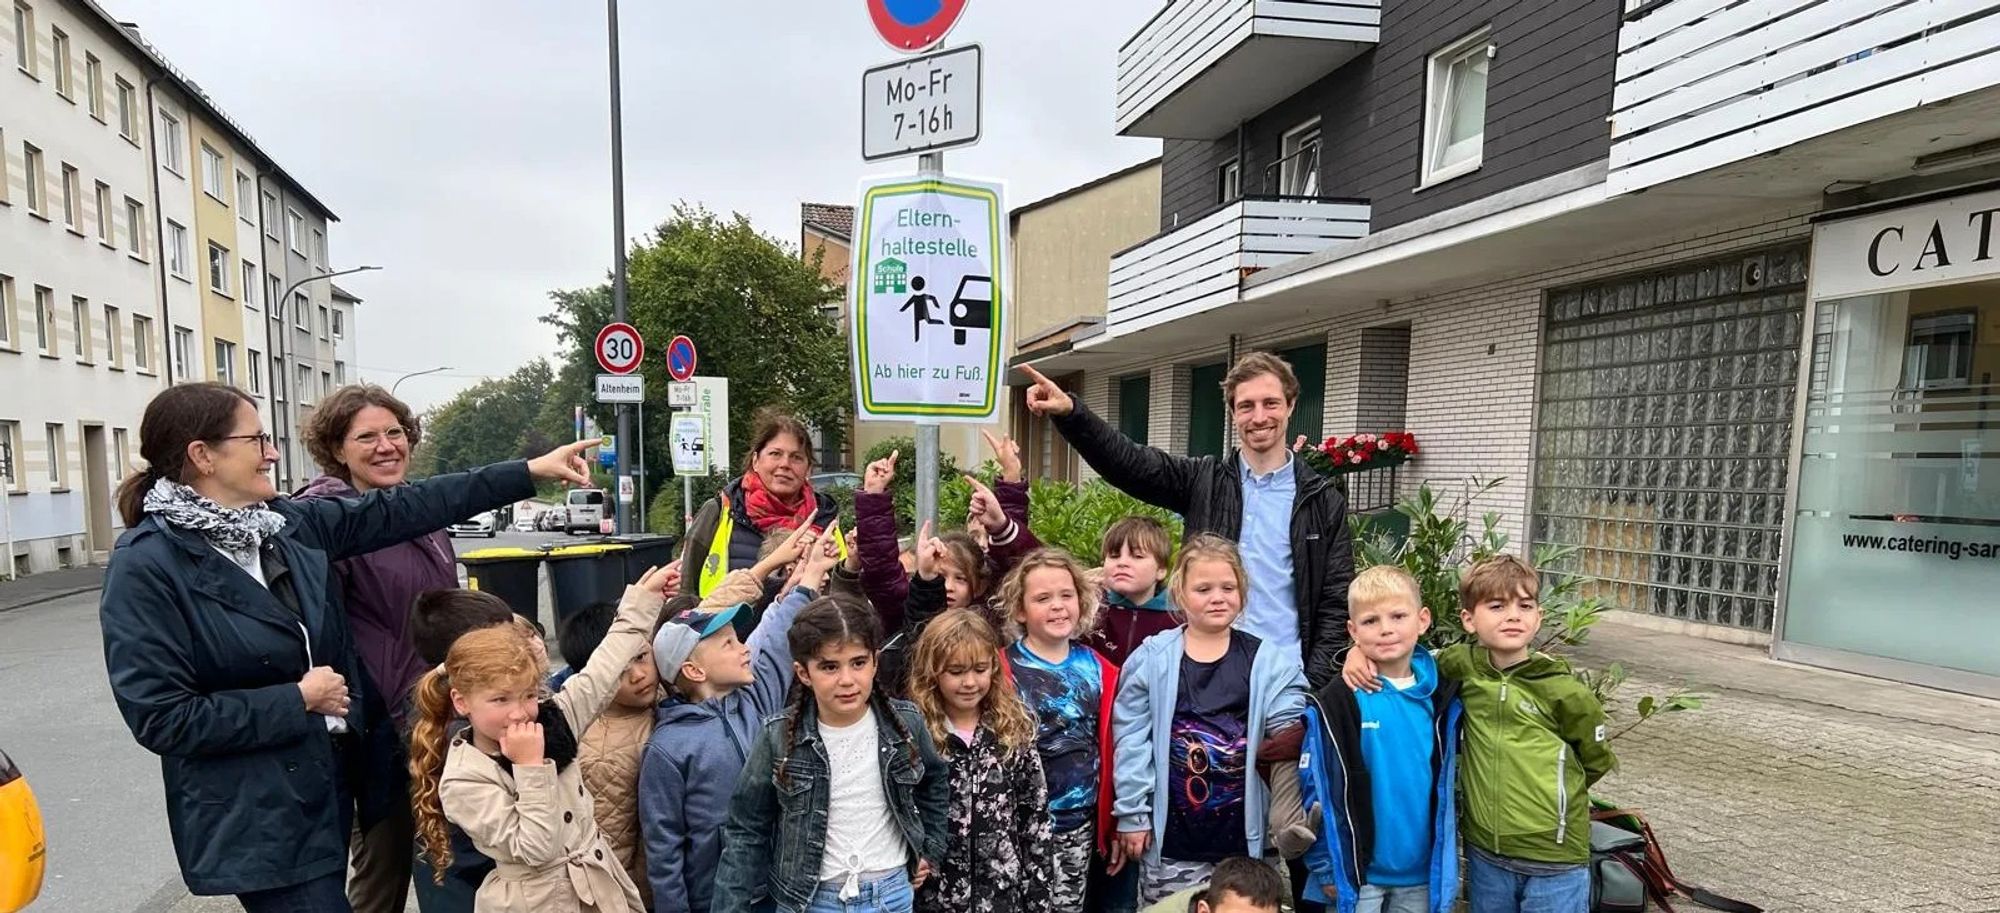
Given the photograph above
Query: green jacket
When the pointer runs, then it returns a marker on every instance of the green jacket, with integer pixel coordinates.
(1534, 744)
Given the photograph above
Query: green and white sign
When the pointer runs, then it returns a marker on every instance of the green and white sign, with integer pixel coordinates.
(930, 309)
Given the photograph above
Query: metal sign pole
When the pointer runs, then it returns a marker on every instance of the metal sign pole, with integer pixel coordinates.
(618, 256)
(930, 164)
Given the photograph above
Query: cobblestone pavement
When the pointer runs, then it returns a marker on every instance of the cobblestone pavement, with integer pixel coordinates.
(1796, 804)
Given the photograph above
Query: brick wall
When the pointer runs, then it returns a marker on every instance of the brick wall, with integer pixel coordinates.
(1383, 383)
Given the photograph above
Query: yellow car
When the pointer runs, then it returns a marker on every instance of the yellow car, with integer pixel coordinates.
(22, 852)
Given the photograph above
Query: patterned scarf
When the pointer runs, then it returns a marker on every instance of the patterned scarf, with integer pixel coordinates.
(769, 513)
(234, 529)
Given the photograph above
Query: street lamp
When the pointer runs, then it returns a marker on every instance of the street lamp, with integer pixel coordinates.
(399, 380)
(285, 357)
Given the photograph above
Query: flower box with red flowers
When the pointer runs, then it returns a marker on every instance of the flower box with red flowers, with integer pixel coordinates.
(1337, 456)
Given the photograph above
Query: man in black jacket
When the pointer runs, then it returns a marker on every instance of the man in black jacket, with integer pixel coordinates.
(1289, 521)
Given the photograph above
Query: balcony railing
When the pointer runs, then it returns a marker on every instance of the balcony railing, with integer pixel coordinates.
(1704, 83)
(1201, 264)
(1200, 67)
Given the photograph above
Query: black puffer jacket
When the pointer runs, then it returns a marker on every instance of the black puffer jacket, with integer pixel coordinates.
(1208, 494)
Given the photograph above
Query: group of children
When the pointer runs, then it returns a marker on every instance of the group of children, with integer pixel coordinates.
(999, 728)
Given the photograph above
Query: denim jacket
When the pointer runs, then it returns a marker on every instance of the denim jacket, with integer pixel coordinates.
(776, 834)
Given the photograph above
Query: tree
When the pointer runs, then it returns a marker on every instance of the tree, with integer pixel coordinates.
(489, 422)
(751, 305)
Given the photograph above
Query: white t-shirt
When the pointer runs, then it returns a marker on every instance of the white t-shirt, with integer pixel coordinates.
(1402, 684)
(861, 832)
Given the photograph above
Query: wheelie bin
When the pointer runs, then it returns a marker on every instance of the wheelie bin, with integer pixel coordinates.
(513, 574)
(648, 551)
(580, 575)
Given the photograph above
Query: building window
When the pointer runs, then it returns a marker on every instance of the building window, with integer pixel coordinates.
(304, 388)
(142, 342)
(135, 227)
(1939, 353)
(114, 351)
(79, 317)
(1135, 407)
(3, 166)
(243, 197)
(24, 38)
(1298, 163)
(128, 109)
(58, 455)
(45, 320)
(218, 268)
(319, 248)
(340, 374)
(6, 312)
(325, 383)
(249, 284)
(277, 378)
(177, 249)
(301, 311)
(253, 361)
(225, 361)
(325, 322)
(1207, 415)
(213, 174)
(1455, 109)
(10, 457)
(121, 449)
(339, 323)
(183, 353)
(37, 178)
(1229, 182)
(93, 84)
(295, 231)
(104, 214)
(59, 53)
(72, 197)
(270, 216)
(173, 145)
(274, 300)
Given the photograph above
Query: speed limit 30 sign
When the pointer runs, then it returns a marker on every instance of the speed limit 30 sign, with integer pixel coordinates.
(619, 348)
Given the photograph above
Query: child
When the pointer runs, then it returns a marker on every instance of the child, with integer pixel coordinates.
(1527, 820)
(611, 748)
(1001, 510)
(842, 804)
(531, 817)
(720, 692)
(1050, 607)
(1379, 766)
(998, 858)
(1135, 553)
(1240, 885)
(1195, 707)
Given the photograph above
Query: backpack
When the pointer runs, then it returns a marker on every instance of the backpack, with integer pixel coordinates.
(1628, 868)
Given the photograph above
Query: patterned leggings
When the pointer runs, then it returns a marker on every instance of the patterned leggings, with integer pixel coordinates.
(1073, 853)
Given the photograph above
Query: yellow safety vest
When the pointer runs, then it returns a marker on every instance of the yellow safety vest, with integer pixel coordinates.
(716, 565)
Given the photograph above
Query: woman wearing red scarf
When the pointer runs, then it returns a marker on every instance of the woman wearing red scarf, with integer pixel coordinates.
(773, 495)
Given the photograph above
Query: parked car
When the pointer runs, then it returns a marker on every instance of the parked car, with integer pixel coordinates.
(551, 520)
(525, 525)
(484, 524)
(824, 481)
(585, 511)
(23, 850)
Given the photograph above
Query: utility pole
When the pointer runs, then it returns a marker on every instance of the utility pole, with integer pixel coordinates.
(618, 312)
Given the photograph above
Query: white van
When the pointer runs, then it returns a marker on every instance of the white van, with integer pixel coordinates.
(586, 511)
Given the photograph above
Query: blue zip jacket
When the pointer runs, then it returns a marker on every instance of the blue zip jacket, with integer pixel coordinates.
(1142, 720)
(1333, 774)
(694, 758)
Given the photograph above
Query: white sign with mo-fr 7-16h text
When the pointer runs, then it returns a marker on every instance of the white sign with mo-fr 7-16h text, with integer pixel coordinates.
(921, 105)
(930, 299)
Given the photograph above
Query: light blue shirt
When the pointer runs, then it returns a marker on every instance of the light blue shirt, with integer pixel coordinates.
(1266, 543)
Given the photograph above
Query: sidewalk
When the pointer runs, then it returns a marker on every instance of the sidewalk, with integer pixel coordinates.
(49, 585)
(1800, 789)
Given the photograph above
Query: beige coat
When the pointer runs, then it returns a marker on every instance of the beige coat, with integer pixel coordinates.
(609, 754)
(538, 825)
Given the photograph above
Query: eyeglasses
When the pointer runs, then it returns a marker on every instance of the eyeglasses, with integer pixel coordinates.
(394, 435)
(263, 439)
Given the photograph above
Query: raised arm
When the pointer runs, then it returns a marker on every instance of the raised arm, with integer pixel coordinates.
(875, 535)
(586, 693)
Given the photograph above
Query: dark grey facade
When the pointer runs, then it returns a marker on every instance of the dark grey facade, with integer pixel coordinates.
(1547, 103)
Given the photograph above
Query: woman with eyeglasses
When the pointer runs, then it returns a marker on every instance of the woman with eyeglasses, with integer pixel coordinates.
(229, 654)
(774, 494)
(361, 437)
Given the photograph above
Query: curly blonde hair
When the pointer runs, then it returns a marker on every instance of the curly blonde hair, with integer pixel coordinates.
(961, 637)
(1014, 591)
(497, 656)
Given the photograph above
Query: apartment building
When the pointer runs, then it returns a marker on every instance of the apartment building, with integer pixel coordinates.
(124, 266)
(1705, 284)
(301, 331)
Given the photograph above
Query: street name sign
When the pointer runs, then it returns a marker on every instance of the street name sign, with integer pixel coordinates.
(930, 303)
(925, 104)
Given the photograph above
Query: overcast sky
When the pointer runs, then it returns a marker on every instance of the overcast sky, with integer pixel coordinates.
(465, 145)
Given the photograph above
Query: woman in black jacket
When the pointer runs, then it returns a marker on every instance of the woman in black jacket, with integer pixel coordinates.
(229, 657)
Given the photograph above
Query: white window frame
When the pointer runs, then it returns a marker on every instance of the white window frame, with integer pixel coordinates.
(295, 229)
(270, 216)
(340, 374)
(128, 108)
(339, 323)
(7, 312)
(59, 54)
(1438, 92)
(303, 390)
(301, 311)
(253, 363)
(325, 322)
(218, 269)
(114, 348)
(121, 444)
(105, 224)
(249, 283)
(45, 320)
(35, 171)
(1229, 182)
(244, 197)
(183, 353)
(93, 84)
(79, 317)
(325, 383)
(142, 343)
(274, 303)
(10, 439)
(177, 250)
(214, 174)
(58, 436)
(225, 361)
(1299, 175)
(277, 379)
(24, 40)
(173, 144)
(319, 248)
(72, 190)
(135, 224)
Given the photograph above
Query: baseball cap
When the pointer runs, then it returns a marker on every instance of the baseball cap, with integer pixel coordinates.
(677, 639)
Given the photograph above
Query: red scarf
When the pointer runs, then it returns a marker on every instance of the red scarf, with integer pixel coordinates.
(769, 513)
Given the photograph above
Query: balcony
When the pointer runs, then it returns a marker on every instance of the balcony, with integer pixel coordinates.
(1706, 84)
(1200, 67)
(1200, 265)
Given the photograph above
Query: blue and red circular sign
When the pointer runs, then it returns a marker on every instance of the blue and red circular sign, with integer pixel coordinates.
(680, 358)
(914, 26)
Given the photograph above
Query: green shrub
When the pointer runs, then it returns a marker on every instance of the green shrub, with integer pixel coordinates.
(664, 514)
(1074, 517)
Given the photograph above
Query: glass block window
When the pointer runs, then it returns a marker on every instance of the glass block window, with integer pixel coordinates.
(1665, 422)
